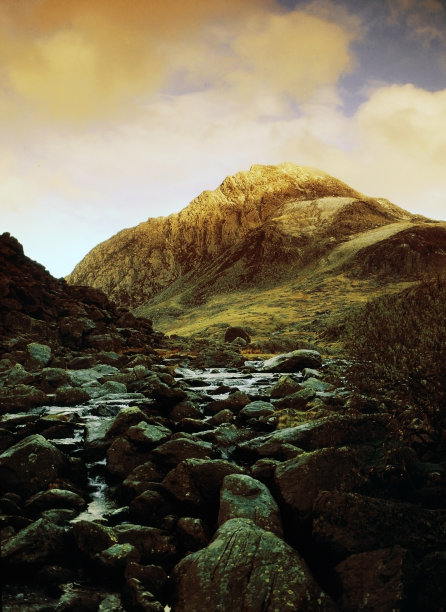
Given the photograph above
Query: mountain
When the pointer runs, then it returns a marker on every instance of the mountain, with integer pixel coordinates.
(264, 238)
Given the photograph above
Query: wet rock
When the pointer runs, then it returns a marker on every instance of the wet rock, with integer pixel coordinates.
(17, 375)
(252, 569)
(300, 480)
(378, 580)
(349, 523)
(316, 385)
(109, 387)
(71, 396)
(256, 410)
(174, 451)
(197, 482)
(154, 545)
(284, 386)
(92, 538)
(148, 434)
(116, 557)
(219, 357)
(244, 497)
(20, 397)
(53, 378)
(234, 402)
(185, 410)
(130, 415)
(76, 597)
(54, 498)
(295, 361)
(222, 417)
(150, 507)
(38, 355)
(336, 430)
(298, 400)
(60, 516)
(232, 333)
(38, 543)
(124, 456)
(140, 477)
(191, 533)
(30, 465)
(136, 597)
(152, 577)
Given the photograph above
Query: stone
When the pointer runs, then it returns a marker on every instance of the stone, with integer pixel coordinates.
(54, 498)
(53, 378)
(17, 375)
(38, 543)
(185, 410)
(242, 496)
(191, 533)
(117, 556)
(138, 480)
(246, 568)
(286, 385)
(20, 397)
(136, 597)
(124, 456)
(39, 355)
(154, 545)
(300, 480)
(30, 465)
(148, 434)
(130, 415)
(77, 597)
(298, 400)
(220, 357)
(316, 385)
(379, 580)
(92, 538)
(197, 482)
(350, 523)
(174, 451)
(150, 507)
(109, 387)
(256, 410)
(234, 402)
(221, 417)
(232, 333)
(71, 396)
(152, 577)
(295, 361)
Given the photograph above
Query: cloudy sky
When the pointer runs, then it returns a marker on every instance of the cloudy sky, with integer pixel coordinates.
(113, 111)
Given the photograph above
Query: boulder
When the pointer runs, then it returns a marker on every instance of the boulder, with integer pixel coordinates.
(152, 577)
(124, 456)
(53, 378)
(154, 545)
(38, 543)
(150, 507)
(295, 361)
(300, 480)
(54, 498)
(20, 397)
(30, 465)
(297, 401)
(379, 580)
(255, 410)
(92, 538)
(148, 434)
(284, 386)
(38, 355)
(71, 396)
(137, 597)
(349, 523)
(197, 482)
(130, 415)
(246, 568)
(232, 333)
(173, 452)
(17, 375)
(138, 480)
(220, 357)
(244, 497)
(234, 402)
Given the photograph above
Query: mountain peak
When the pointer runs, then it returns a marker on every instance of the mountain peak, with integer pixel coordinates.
(253, 227)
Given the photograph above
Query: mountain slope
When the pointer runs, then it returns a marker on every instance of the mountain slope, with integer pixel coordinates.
(259, 230)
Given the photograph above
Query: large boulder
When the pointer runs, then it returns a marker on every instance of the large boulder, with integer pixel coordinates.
(242, 496)
(30, 465)
(246, 568)
(377, 580)
(349, 523)
(232, 333)
(197, 482)
(40, 542)
(295, 361)
(38, 355)
(300, 480)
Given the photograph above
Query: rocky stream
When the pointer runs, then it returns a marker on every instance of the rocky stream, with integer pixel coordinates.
(260, 487)
(200, 482)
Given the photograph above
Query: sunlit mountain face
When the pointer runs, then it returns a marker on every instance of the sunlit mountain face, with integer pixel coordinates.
(113, 115)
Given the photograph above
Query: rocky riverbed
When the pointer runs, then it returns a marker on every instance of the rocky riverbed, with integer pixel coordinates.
(257, 488)
(204, 481)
